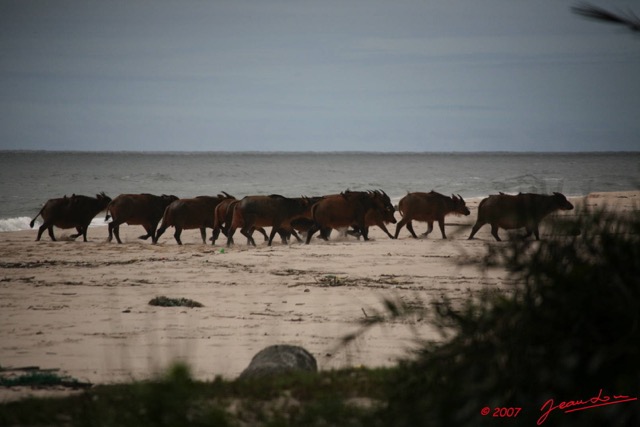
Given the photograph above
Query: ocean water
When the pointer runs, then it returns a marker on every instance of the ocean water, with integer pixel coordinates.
(28, 179)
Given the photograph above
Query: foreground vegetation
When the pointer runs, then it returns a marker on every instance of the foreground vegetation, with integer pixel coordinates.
(569, 333)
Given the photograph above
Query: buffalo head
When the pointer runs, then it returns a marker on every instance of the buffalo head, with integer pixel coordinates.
(459, 206)
(561, 202)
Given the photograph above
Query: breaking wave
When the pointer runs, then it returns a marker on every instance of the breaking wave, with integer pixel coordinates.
(15, 224)
(22, 223)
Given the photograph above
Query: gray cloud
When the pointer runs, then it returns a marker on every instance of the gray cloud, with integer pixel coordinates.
(309, 75)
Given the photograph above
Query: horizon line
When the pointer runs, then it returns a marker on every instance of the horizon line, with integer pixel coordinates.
(318, 152)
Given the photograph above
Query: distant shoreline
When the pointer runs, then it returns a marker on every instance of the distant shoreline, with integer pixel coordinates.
(267, 152)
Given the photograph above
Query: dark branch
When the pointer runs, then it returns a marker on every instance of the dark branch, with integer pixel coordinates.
(628, 19)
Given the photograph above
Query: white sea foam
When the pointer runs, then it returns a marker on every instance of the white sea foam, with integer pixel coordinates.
(22, 223)
(15, 224)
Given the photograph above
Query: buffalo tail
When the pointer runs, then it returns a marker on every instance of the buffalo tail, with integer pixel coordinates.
(33, 221)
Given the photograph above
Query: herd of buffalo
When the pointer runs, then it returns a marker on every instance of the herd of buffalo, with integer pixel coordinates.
(353, 211)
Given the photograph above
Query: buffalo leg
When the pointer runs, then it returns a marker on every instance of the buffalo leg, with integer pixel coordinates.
(315, 227)
(81, 231)
(294, 234)
(429, 229)
(110, 225)
(284, 236)
(364, 230)
(40, 231)
(247, 234)
(214, 235)
(441, 224)
(475, 229)
(410, 228)
(494, 232)
(50, 230)
(264, 233)
(150, 229)
(116, 232)
(401, 224)
(230, 232)
(532, 230)
(325, 233)
(365, 233)
(203, 234)
(159, 233)
(78, 234)
(274, 230)
(177, 234)
(384, 228)
(47, 227)
(150, 233)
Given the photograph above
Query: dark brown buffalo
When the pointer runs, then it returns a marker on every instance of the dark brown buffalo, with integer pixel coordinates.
(357, 209)
(301, 224)
(137, 209)
(273, 211)
(188, 214)
(223, 218)
(381, 217)
(70, 212)
(522, 210)
(428, 207)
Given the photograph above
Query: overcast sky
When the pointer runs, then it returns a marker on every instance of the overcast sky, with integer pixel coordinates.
(393, 75)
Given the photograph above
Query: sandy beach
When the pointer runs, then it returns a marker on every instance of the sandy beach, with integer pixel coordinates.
(83, 308)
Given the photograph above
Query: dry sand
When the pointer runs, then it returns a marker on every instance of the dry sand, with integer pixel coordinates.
(83, 307)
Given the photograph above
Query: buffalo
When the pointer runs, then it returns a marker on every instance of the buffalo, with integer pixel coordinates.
(223, 218)
(273, 211)
(428, 207)
(379, 217)
(357, 209)
(70, 212)
(187, 214)
(522, 210)
(137, 209)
